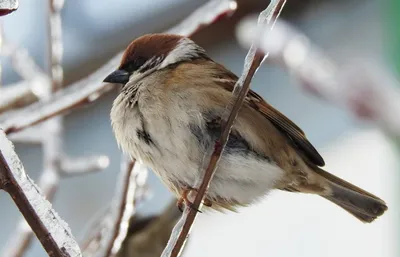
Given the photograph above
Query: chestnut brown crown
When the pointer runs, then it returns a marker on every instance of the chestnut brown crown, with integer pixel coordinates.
(154, 51)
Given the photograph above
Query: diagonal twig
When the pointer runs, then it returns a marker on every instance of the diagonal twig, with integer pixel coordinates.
(362, 89)
(51, 230)
(49, 134)
(252, 62)
(125, 202)
(8, 6)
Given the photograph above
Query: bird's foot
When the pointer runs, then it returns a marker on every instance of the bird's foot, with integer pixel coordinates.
(189, 192)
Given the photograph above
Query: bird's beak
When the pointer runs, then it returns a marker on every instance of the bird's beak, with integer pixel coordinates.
(118, 76)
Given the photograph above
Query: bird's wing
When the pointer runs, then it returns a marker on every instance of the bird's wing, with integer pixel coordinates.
(227, 80)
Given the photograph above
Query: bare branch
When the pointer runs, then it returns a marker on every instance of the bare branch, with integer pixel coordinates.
(32, 135)
(110, 229)
(91, 88)
(19, 94)
(31, 88)
(205, 15)
(23, 63)
(49, 133)
(51, 230)
(362, 89)
(19, 238)
(130, 189)
(252, 62)
(78, 166)
(147, 236)
(8, 6)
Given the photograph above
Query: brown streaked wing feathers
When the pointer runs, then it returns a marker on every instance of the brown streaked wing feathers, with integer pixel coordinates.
(281, 122)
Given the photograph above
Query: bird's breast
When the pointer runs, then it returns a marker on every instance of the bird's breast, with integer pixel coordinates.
(175, 143)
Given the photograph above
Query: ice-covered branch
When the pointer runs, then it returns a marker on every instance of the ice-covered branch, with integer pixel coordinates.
(363, 89)
(40, 86)
(108, 232)
(51, 230)
(34, 82)
(252, 62)
(19, 94)
(83, 165)
(129, 191)
(32, 135)
(91, 88)
(8, 6)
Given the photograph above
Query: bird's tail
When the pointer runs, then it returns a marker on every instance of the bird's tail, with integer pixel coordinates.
(358, 202)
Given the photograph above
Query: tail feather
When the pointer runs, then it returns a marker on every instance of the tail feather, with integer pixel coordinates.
(358, 202)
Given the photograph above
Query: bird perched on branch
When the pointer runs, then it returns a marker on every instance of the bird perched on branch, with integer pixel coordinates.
(169, 114)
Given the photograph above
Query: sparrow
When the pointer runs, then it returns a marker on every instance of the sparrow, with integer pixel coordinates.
(169, 113)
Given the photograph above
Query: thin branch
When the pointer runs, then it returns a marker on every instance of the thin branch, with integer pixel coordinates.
(110, 227)
(34, 84)
(82, 165)
(363, 89)
(19, 94)
(148, 235)
(56, 164)
(32, 135)
(125, 205)
(53, 233)
(91, 88)
(8, 6)
(52, 129)
(23, 63)
(252, 62)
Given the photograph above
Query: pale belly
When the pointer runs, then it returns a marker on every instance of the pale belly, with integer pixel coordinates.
(176, 156)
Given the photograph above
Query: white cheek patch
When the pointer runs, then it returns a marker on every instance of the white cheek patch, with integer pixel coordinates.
(184, 50)
(134, 78)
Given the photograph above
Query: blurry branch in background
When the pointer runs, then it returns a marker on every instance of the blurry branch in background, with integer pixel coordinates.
(53, 233)
(89, 89)
(253, 60)
(37, 84)
(8, 6)
(108, 236)
(363, 89)
(147, 236)
(28, 90)
(129, 193)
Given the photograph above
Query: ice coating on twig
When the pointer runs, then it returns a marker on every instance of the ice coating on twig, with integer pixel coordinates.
(363, 89)
(252, 62)
(203, 16)
(83, 165)
(8, 6)
(38, 85)
(57, 228)
(130, 190)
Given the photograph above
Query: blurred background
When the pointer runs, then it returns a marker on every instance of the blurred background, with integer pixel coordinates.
(283, 224)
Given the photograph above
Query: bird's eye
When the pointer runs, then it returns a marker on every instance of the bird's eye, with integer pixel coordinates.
(134, 65)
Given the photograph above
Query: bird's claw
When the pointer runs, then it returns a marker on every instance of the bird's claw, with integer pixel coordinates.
(184, 200)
